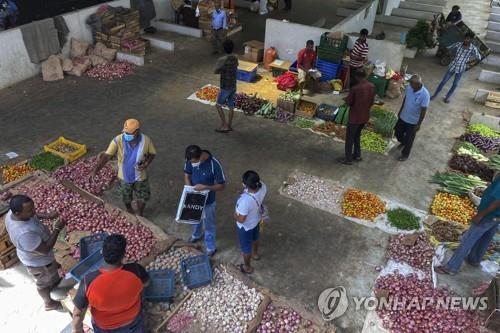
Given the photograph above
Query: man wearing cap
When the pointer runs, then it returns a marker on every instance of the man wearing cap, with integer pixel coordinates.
(135, 152)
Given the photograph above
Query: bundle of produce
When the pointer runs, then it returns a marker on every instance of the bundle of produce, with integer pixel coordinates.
(267, 111)
(455, 183)
(83, 215)
(416, 307)
(303, 123)
(238, 99)
(418, 253)
(170, 259)
(377, 111)
(469, 165)
(374, 142)
(453, 208)
(290, 96)
(362, 205)
(445, 231)
(208, 93)
(469, 146)
(64, 148)
(111, 71)
(46, 161)
(284, 116)
(250, 104)
(481, 142)
(483, 130)
(13, 172)
(494, 162)
(79, 173)
(403, 219)
(286, 82)
(384, 123)
(276, 319)
(226, 305)
(477, 156)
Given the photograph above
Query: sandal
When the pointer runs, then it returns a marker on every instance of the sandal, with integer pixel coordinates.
(243, 270)
(222, 130)
(443, 270)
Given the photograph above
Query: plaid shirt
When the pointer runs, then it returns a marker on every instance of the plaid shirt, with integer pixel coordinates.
(462, 57)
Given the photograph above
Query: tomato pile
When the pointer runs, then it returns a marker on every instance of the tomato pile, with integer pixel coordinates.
(208, 93)
(11, 173)
(362, 205)
(453, 207)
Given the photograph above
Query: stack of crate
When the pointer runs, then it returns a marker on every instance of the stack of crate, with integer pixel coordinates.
(205, 20)
(332, 47)
(8, 256)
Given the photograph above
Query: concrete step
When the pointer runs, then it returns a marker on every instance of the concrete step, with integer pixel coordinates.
(160, 42)
(489, 76)
(180, 29)
(430, 2)
(420, 6)
(492, 60)
(344, 12)
(493, 35)
(493, 26)
(411, 13)
(350, 4)
(494, 46)
(494, 18)
(396, 20)
(495, 10)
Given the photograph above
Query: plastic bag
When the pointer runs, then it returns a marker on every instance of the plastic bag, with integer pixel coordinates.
(379, 68)
(394, 89)
(197, 12)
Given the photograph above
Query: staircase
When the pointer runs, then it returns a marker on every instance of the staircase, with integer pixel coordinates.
(492, 40)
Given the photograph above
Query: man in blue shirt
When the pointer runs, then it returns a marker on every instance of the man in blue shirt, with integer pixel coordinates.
(411, 115)
(219, 27)
(204, 172)
(482, 229)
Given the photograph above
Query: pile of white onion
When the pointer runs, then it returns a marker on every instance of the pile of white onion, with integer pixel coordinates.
(418, 255)
(170, 259)
(83, 215)
(226, 305)
(414, 317)
(283, 320)
(79, 173)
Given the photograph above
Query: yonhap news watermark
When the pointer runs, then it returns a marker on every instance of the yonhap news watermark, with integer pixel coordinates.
(334, 302)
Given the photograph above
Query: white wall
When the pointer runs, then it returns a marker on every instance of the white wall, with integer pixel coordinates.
(390, 52)
(164, 10)
(15, 64)
(363, 18)
(389, 5)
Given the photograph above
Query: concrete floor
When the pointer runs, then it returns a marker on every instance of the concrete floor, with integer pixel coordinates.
(304, 250)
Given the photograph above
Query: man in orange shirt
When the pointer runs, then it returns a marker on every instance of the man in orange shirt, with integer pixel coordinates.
(113, 293)
(306, 60)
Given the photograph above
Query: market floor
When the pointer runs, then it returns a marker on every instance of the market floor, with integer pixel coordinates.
(304, 250)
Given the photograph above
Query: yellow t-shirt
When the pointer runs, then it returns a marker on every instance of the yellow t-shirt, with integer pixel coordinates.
(129, 157)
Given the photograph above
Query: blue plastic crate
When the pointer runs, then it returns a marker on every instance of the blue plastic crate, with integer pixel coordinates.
(90, 244)
(92, 263)
(196, 271)
(328, 70)
(161, 287)
(246, 76)
(293, 67)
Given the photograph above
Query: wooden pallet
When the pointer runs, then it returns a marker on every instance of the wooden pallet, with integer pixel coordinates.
(493, 100)
(5, 244)
(9, 259)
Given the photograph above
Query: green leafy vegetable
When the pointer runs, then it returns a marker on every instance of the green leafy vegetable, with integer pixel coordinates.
(46, 161)
(403, 219)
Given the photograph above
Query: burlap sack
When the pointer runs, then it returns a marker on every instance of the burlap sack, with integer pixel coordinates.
(80, 66)
(78, 48)
(394, 89)
(52, 69)
(102, 51)
(96, 60)
(67, 65)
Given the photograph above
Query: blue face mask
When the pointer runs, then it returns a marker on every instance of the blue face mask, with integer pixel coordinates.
(128, 137)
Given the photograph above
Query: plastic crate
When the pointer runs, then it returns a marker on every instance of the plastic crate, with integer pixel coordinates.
(328, 70)
(293, 67)
(333, 44)
(329, 55)
(90, 264)
(246, 76)
(161, 287)
(90, 244)
(196, 271)
(380, 84)
(326, 115)
(79, 151)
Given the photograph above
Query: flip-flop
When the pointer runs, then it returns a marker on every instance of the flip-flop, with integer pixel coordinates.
(443, 270)
(220, 130)
(243, 270)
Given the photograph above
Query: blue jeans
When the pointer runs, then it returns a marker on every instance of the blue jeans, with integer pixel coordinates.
(474, 244)
(226, 97)
(445, 80)
(137, 326)
(208, 221)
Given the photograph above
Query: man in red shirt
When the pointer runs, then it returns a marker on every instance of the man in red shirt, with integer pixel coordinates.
(360, 100)
(113, 293)
(306, 60)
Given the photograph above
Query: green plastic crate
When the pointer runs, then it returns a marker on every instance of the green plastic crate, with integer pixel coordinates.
(331, 56)
(333, 44)
(380, 84)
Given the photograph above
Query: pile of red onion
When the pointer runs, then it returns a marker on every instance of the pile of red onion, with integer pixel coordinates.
(418, 309)
(418, 255)
(83, 215)
(277, 320)
(79, 173)
(179, 322)
(111, 71)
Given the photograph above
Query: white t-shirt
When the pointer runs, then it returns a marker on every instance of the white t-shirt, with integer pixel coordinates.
(249, 205)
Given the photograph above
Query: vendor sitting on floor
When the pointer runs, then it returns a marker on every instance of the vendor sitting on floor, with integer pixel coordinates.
(306, 61)
(114, 292)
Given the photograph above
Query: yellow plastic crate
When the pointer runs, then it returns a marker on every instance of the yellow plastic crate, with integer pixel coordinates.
(79, 151)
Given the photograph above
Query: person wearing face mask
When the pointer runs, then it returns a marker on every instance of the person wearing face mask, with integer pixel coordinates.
(248, 214)
(219, 27)
(203, 171)
(135, 152)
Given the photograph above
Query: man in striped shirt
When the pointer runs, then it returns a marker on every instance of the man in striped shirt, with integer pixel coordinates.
(359, 55)
(466, 54)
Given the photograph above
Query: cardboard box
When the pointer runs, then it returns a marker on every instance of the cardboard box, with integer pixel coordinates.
(254, 51)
